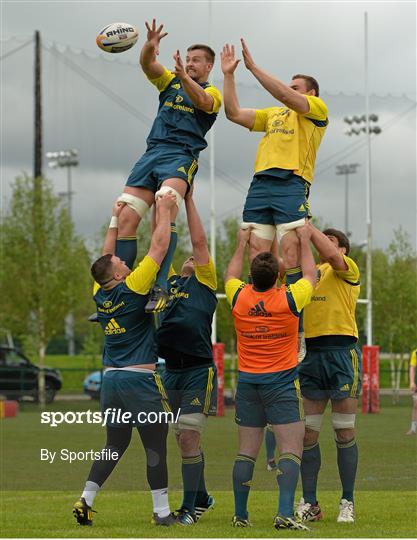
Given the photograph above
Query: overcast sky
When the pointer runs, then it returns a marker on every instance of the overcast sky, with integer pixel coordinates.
(324, 39)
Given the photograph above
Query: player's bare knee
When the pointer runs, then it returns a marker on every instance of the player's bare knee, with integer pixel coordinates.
(344, 435)
(128, 222)
(310, 437)
(189, 442)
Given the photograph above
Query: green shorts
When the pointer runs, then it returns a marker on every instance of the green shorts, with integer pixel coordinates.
(192, 390)
(276, 402)
(134, 393)
(160, 163)
(273, 201)
(331, 373)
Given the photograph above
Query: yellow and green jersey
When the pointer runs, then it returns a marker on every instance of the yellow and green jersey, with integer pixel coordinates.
(178, 121)
(128, 330)
(291, 140)
(331, 311)
(186, 322)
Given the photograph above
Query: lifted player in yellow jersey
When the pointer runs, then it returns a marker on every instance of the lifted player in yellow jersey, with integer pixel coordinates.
(413, 388)
(331, 370)
(277, 201)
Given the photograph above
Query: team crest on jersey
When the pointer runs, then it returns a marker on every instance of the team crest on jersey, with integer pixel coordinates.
(107, 304)
(179, 99)
(259, 310)
(177, 86)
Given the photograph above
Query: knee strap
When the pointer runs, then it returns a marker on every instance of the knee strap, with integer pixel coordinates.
(191, 421)
(168, 189)
(135, 203)
(266, 232)
(343, 421)
(313, 421)
(284, 228)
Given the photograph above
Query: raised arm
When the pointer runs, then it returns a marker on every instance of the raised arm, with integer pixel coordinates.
(150, 50)
(279, 90)
(165, 206)
(109, 245)
(308, 266)
(197, 233)
(234, 270)
(327, 250)
(229, 63)
(200, 98)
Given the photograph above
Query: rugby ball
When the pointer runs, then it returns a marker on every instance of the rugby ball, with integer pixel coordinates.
(117, 37)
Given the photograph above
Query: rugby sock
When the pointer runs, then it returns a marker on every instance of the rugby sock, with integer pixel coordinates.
(270, 445)
(90, 492)
(242, 479)
(287, 478)
(160, 502)
(192, 467)
(127, 250)
(154, 440)
(292, 275)
(202, 495)
(347, 462)
(310, 467)
(162, 276)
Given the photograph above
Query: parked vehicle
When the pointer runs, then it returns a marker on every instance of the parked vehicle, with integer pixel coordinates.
(19, 376)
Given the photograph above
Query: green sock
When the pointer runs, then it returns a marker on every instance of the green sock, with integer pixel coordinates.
(287, 478)
(310, 467)
(162, 276)
(127, 250)
(242, 479)
(192, 468)
(347, 462)
(202, 494)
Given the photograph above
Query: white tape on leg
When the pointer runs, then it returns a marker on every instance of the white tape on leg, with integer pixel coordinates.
(284, 228)
(135, 203)
(266, 232)
(168, 189)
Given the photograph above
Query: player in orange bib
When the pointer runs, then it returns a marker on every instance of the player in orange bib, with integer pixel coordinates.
(268, 391)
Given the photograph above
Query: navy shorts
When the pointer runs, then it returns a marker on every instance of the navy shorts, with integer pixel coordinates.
(260, 404)
(273, 201)
(331, 373)
(160, 163)
(134, 393)
(192, 390)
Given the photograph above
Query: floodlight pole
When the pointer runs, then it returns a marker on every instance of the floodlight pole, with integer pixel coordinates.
(369, 337)
(346, 170)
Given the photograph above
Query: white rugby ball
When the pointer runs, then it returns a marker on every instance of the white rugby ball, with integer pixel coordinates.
(117, 37)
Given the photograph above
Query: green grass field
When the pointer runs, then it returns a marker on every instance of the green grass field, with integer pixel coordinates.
(37, 497)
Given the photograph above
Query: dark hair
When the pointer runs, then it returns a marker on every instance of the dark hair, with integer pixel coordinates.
(210, 54)
(311, 82)
(264, 271)
(342, 239)
(102, 269)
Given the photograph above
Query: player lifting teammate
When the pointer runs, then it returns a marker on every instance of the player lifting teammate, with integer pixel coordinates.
(130, 383)
(277, 201)
(268, 391)
(190, 379)
(331, 370)
(188, 107)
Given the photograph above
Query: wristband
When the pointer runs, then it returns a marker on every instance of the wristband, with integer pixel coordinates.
(114, 222)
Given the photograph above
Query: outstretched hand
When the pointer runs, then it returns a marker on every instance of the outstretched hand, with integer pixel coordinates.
(179, 70)
(117, 208)
(155, 34)
(247, 57)
(229, 62)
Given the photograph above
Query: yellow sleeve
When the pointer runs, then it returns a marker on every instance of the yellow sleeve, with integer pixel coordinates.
(217, 98)
(206, 274)
(350, 275)
(171, 272)
(231, 288)
(261, 120)
(318, 109)
(163, 81)
(413, 358)
(96, 287)
(301, 292)
(141, 279)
